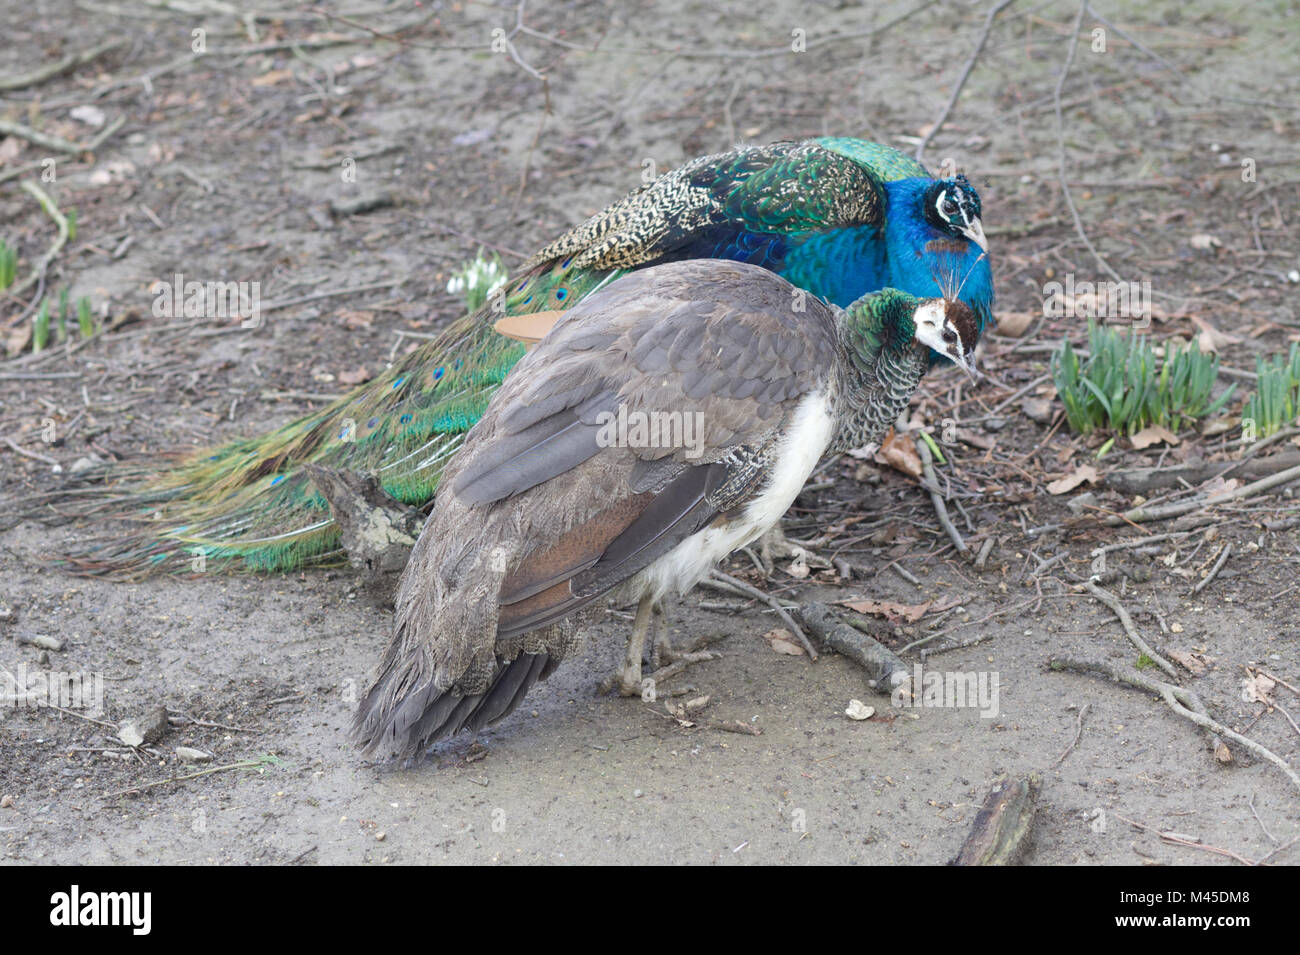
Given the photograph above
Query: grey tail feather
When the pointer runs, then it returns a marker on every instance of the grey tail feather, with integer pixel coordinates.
(427, 715)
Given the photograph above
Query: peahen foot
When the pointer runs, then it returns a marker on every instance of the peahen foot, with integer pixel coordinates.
(666, 660)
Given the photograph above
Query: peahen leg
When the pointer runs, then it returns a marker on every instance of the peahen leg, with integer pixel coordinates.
(629, 677)
(661, 647)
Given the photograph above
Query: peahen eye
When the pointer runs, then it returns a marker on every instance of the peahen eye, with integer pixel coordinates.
(949, 336)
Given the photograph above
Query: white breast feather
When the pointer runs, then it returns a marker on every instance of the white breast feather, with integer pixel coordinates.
(811, 429)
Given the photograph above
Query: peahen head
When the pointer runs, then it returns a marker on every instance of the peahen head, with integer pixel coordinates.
(949, 328)
(891, 321)
(953, 206)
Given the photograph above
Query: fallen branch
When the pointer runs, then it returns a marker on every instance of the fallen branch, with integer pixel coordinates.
(59, 67)
(1214, 571)
(60, 220)
(1140, 515)
(245, 764)
(940, 508)
(965, 75)
(1178, 840)
(1145, 480)
(58, 143)
(1001, 828)
(1182, 701)
(1060, 145)
(34, 455)
(1111, 601)
(885, 671)
(1078, 732)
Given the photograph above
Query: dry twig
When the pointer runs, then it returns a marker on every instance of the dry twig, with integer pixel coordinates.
(1182, 701)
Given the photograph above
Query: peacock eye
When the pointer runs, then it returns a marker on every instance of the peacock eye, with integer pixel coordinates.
(949, 207)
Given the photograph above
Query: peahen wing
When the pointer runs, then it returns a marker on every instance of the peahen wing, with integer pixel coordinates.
(563, 515)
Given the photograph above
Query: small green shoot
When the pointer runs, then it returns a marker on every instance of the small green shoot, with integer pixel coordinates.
(41, 326)
(8, 265)
(63, 314)
(85, 321)
(1276, 401)
(934, 448)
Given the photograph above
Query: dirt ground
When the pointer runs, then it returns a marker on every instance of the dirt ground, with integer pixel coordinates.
(224, 168)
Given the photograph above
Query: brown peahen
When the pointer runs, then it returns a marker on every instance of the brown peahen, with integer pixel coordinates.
(565, 492)
(837, 217)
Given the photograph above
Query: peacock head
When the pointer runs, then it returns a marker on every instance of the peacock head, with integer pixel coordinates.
(949, 328)
(953, 206)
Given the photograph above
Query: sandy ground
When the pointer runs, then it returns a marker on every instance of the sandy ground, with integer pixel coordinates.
(263, 673)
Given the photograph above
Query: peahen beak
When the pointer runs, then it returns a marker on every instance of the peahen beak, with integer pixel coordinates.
(966, 363)
(975, 232)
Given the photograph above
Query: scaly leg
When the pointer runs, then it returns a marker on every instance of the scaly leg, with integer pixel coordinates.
(661, 647)
(629, 678)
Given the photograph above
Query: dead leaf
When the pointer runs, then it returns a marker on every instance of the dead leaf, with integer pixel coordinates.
(272, 77)
(857, 710)
(1218, 426)
(354, 377)
(1154, 434)
(1194, 663)
(1211, 339)
(89, 114)
(9, 149)
(19, 339)
(899, 452)
(783, 641)
(1258, 688)
(891, 611)
(1222, 753)
(114, 170)
(798, 568)
(1084, 472)
(356, 318)
(1218, 487)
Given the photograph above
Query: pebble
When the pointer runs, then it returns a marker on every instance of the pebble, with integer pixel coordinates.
(40, 640)
(148, 728)
(1037, 409)
(85, 463)
(1081, 502)
(192, 755)
(857, 710)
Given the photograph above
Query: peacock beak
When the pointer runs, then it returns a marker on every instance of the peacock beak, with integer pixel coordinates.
(975, 232)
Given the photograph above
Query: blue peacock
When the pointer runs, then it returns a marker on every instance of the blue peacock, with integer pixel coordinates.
(837, 217)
